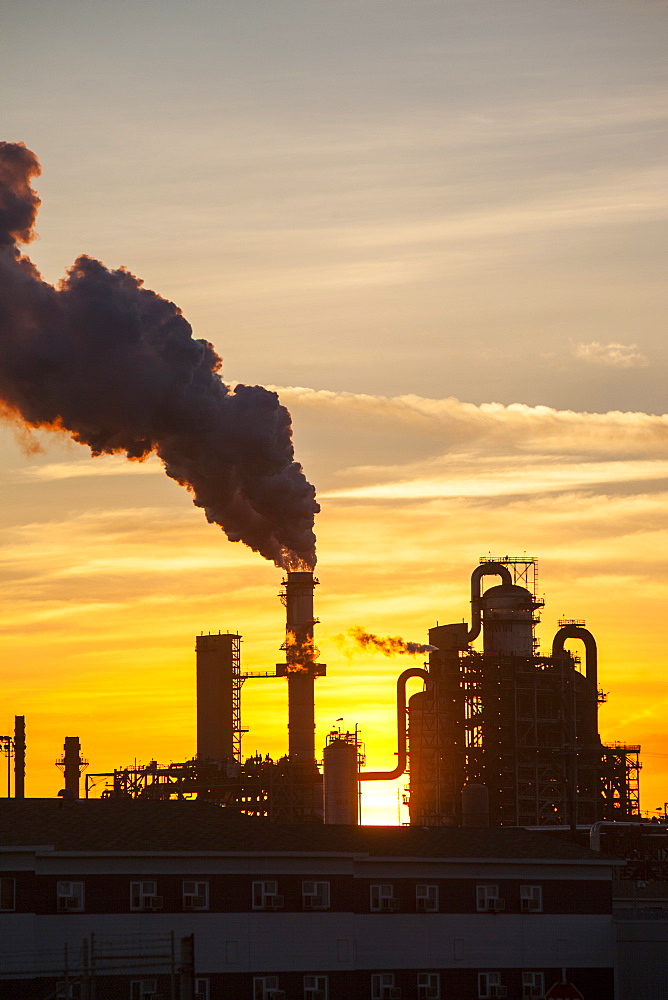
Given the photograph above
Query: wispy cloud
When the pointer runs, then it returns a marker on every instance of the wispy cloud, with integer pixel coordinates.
(494, 427)
(539, 478)
(111, 465)
(613, 355)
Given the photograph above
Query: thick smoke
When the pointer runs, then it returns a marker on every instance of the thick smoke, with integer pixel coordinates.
(389, 645)
(116, 366)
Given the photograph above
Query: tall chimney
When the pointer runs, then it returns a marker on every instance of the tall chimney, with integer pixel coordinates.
(72, 764)
(300, 666)
(19, 756)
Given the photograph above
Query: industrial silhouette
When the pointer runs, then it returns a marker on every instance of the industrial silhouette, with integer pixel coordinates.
(131, 894)
(523, 725)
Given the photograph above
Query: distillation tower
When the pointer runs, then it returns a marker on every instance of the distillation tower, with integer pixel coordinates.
(522, 724)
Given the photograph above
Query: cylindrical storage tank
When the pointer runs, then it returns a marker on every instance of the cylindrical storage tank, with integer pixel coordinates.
(507, 621)
(340, 782)
(475, 805)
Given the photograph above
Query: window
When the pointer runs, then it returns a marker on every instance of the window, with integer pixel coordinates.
(265, 988)
(315, 895)
(201, 989)
(489, 985)
(265, 896)
(533, 985)
(7, 894)
(531, 898)
(315, 988)
(143, 896)
(487, 899)
(142, 989)
(426, 898)
(195, 895)
(70, 896)
(429, 986)
(383, 988)
(382, 897)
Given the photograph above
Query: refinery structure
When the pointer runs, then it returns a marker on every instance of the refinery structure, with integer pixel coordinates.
(225, 876)
(521, 724)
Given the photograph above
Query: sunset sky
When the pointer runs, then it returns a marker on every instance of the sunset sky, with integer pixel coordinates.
(438, 230)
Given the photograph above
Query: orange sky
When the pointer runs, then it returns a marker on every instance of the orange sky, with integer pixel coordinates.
(438, 230)
(112, 572)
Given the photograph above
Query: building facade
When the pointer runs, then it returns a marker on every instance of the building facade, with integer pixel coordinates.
(176, 899)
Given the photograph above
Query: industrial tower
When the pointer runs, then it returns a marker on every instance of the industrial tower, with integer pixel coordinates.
(522, 724)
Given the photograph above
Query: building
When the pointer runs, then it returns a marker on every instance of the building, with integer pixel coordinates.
(139, 899)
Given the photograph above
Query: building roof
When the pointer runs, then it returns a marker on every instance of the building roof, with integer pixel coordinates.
(109, 825)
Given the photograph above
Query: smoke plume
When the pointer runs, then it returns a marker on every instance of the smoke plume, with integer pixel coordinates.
(116, 366)
(390, 645)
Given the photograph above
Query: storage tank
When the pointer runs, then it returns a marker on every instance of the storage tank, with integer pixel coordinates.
(340, 781)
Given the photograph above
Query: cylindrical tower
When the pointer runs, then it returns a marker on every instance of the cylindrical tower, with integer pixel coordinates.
(19, 756)
(340, 787)
(218, 685)
(301, 669)
(508, 620)
(436, 732)
(72, 764)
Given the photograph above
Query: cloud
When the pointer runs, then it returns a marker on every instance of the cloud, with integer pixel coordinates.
(539, 478)
(613, 355)
(102, 466)
(412, 424)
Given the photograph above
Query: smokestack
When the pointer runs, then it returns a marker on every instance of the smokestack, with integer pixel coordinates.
(72, 764)
(19, 756)
(218, 689)
(300, 666)
(116, 366)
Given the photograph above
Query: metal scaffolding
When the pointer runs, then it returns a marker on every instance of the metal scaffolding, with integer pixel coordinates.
(276, 790)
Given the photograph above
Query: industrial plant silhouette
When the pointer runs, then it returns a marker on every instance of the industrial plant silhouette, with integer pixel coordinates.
(231, 877)
(523, 725)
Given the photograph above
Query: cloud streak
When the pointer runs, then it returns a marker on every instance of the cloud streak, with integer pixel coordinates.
(612, 355)
(510, 482)
(494, 426)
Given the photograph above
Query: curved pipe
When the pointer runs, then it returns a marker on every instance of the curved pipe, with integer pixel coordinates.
(651, 829)
(401, 729)
(578, 632)
(485, 569)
